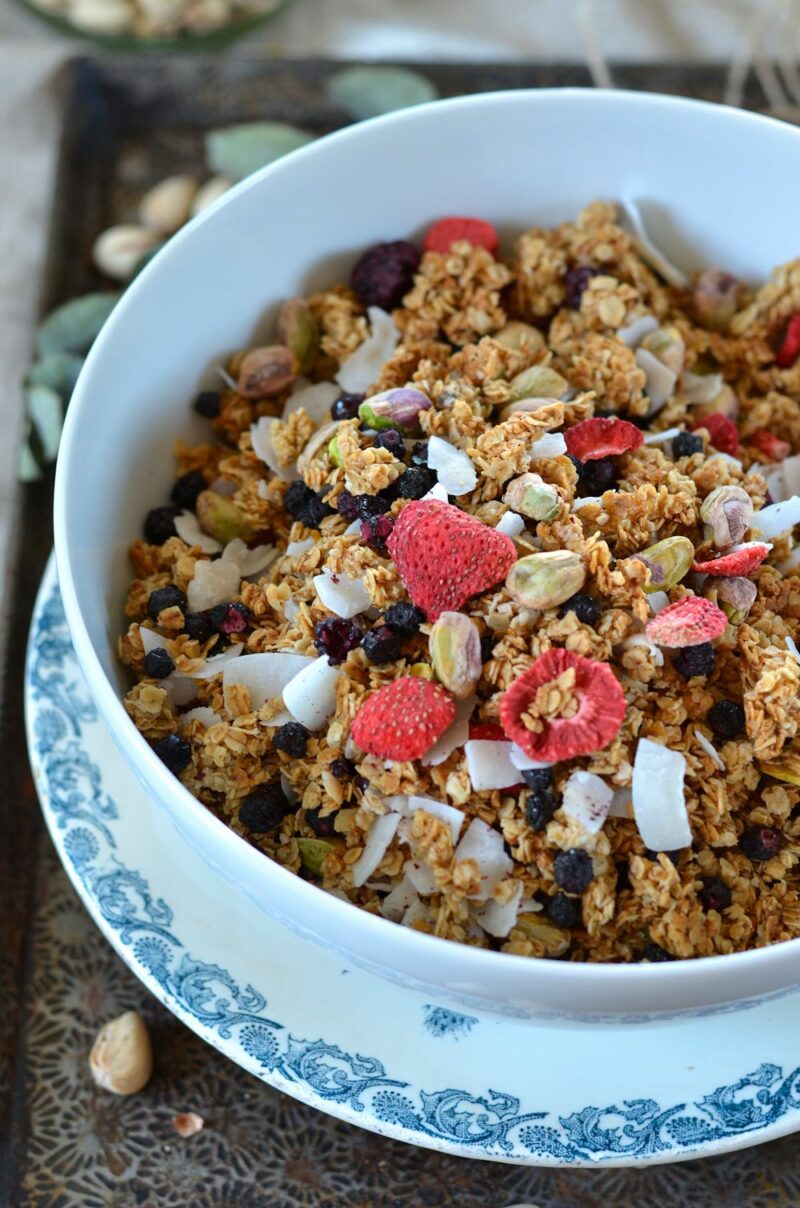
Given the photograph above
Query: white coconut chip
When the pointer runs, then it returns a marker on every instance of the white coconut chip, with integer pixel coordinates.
(648, 250)
(289, 791)
(380, 836)
(416, 913)
(790, 475)
(264, 675)
(291, 609)
(776, 481)
(510, 524)
(791, 646)
(317, 400)
(263, 490)
(552, 444)
(660, 380)
(656, 601)
(454, 736)
(640, 639)
(499, 917)
(363, 367)
(523, 762)
(217, 662)
(187, 526)
(579, 503)
(661, 438)
(621, 804)
(421, 877)
(207, 717)
(181, 689)
(353, 529)
(344, 596)
(408, 806)
(489, 764)
(249, 561)
(151, 640)
(777, 518)
(659, 804)
(710, 750)
(634, 333)
(398, 901)
(701, 387)
(485, 846)
(437, 491)
(311, 696)
(727, 457)
(213, 583)
(295, 548)
(263, 447)
(587, 799)
(454, 470)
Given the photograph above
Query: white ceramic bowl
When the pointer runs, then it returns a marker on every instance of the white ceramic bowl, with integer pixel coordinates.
(716, 186)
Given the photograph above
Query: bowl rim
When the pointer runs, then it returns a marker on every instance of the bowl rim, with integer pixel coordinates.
(465, 960)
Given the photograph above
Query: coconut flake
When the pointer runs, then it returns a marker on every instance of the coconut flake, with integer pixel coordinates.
(396, 903)
(485, 846)
(648, 250)
(659, 805)
(264, 675)
(523, 762)
(587, 799)
(634, 333)
(454, 818)
(353, 529)
(421, 877)
(340, 594)
(363, 367)
(709, 750)
(317, 400)
(499, 917)
(263, 447)
(454, 736)
(181, 689)
(380, 836)
(489, 764)
(311, 696)
(289, 791)
(151, 640)
(249, 561)
(207, 717)
(552, 444)
(187, 526)
(790, 475)
(295, 548)
(216, 663)
(777, 518)
(230, 382)
(701, 387)
(660, 383)
(656, 601)
(416, 913)
(661, 438)
(213, 583)
(727, 457)
(291, 609)
(791, 646)
(511, 524)
(640, 639)
(455, 471)
(584, 501)
(437, 491)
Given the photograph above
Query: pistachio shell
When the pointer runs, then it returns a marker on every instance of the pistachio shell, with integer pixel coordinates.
(221, 518)
(734, 594)
(370, 91)
(297, 329)
(538, 382)
(265, 372)
(669, 560)
(717, 296)
(531, 496)
(544, 580)
(313, 853)
(727, 513)
(118, 251)
(236, 151)
(455, 649)
(74, 326)
(521, 337)
(168, 204)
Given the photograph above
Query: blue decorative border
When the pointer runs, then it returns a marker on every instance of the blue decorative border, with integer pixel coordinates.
(490, 1125)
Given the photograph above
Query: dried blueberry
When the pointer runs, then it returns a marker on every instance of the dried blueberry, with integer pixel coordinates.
(656, 955)
(187, 488)
(404, 619)
(695, 660)
(572, 870)
(371, 505)
(197, 626)
(598, 476)
(415, 482)
(761, 842)
(265, 809)
(207, 403)
(305, 505)
(291, 739)
(575, 280)
(229, 618)
(323, 827)
(686, 443)
(540, 805)
(375, 531)
(419, 453)
(174, 752)
(158, 663)
(392, 440)
(342, 768)
(384, 273)
(336, 637)
(347, 505)
(585, 608)
(165, 597)
(726, 719)
(382, 645)
(346, 406)
(159, 525)
(715, 894)
(538, 778)
(564, 911)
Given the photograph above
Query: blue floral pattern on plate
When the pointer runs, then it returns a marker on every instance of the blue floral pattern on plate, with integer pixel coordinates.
(207, 997)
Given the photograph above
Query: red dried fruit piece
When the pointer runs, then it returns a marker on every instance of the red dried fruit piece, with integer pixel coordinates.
(592, 439)
(688, 622)
(444, 556)
(600, 713)
(486, 731)
(722, 432)
(742, 560)
(771, 446)
(447, 231)
(789, 350)
(403, 719)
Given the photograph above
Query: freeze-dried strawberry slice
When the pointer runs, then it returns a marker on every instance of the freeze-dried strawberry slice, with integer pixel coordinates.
(771, 446)
(592, 439)
(789, 350)
(601, 708)
(447, 231)
(688, 622)
(722, 432)
(445, 556)
(740, 560)
(403, 719)
(486, 731)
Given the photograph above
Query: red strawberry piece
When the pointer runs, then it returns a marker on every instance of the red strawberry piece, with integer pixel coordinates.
(741, 560)
(722, 432)
(688, 622)
(444, 556)
(486, 731)
(771, 446)
(403, 719)
(601, 708)
(592, 439)
(447, 231)
(789, 350)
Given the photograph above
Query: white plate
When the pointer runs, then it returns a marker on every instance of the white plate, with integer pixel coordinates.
(350, 1043)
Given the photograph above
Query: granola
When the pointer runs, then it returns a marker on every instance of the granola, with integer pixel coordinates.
(479, 608)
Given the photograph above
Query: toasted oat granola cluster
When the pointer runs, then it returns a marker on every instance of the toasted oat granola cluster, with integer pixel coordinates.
(479, 606)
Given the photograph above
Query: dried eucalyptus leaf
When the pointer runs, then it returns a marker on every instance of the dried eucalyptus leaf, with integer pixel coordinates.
(369, 91)
(28, 468)
(236, 151)
(58, 371)
(46, 411)
(74, 326)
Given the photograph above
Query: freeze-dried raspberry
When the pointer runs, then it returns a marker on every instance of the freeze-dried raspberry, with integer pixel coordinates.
(771, 446)
(789, 350)
(592, 439)
(688, 622)
(741, 560)
(721, 431)
(403, 719)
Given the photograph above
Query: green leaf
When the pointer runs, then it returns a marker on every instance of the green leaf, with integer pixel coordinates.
(369, 91)
(74, 326)
(28, 468)
(57, 370)
(46, 411)
(312, 854)
(236, 151)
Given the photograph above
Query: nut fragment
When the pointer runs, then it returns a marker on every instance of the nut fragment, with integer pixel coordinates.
(521, 337)
(531, 496)
(546, 579)
(669, 560)
(297, 329)
(264, 372)
(666, 344)
(399, 408)
(455, 649)
(734, 594)
(717, 296)
(168, 204)
(221, 518)
(538, 382)
(118, 250)
(727, 513)
(187, 1124)
(121, 1059)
